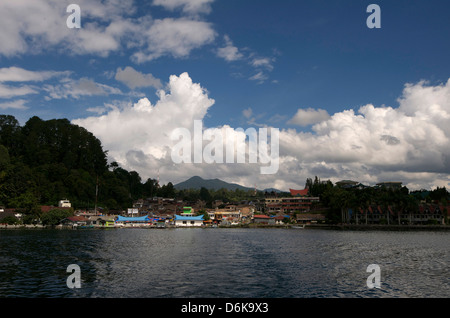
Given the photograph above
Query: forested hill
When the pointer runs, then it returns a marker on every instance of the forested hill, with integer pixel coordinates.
(46, 161)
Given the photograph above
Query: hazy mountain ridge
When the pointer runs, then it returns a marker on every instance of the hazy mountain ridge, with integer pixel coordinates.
(210, 184)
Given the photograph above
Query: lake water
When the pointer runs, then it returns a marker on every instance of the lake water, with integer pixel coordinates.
(222, 263)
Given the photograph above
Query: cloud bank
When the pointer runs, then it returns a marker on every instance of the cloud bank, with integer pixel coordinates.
(410, 143)
(106, 27)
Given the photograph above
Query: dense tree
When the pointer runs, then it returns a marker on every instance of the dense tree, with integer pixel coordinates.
(205, 195)
(167, 191)
(54, 159)
(9, 133)
(439, 195)
(150, 188)
(317, 188)
(55, 216)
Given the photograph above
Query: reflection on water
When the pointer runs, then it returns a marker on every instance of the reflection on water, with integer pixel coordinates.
(277, 263)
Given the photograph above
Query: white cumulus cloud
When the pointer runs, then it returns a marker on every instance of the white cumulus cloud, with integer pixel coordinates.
(138, 135)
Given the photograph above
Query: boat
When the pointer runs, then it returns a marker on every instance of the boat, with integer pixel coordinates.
(298, 226)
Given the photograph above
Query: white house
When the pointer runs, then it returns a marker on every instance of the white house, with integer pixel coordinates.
(188, 221)
(64, 204)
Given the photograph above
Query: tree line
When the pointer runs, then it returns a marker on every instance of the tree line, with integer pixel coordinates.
(338, 200)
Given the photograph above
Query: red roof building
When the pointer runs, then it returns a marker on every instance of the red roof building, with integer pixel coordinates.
(261, 218)
(301, 193)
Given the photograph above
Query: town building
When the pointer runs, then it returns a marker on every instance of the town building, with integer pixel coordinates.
(76, 221)
(390, 185)
(309, 218)
(64, 204)
(103, 221)
(299, 201)
(188, 211)
(424, 214)
(263, 219)
(140, 221)
(4, 213)
(298, 204)
(227, 215)
(345, 184)
(189, 221)
(280, 219)
(273, 204)
(349, 184)
(158, 205)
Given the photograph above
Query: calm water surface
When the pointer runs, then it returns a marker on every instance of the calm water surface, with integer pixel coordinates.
(198, 263)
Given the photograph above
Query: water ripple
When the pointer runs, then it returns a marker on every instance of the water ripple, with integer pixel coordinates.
(222, 263)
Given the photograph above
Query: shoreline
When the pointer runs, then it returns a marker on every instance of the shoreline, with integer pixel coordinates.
(340, 227)
(378, 227)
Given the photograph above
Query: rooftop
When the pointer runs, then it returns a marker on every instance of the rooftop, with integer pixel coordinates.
(302, 193)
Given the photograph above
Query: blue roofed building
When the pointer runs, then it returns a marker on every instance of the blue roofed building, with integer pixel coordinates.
(188, 221)
(133, 221)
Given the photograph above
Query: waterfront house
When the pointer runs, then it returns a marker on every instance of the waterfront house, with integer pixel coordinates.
(123, 221)
(10, 213)
(232, 216)
(309, 218)
(188, 221)
(103, 221)
(76, 221)
(280, 218)
(263, 219)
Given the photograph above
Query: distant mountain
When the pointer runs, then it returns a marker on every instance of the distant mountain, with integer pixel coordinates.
(272, 190)
(212, 184)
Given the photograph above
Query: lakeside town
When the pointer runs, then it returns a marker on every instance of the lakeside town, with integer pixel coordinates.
(47, 181)
(297, 209)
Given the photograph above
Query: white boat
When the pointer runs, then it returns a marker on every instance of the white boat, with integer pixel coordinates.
(298, 226)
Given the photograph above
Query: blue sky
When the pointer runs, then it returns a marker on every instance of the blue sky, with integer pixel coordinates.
(260, 61)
